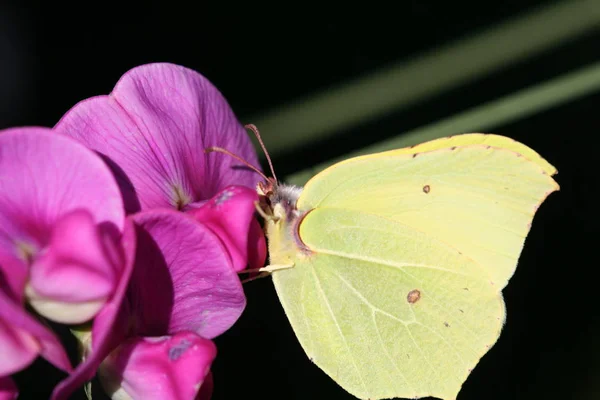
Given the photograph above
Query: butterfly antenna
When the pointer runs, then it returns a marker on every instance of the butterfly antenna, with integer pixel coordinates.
(240, 159)
(254, 129)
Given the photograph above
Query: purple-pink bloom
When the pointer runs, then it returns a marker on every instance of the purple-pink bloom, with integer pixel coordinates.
(183, 292)
(176, 365)
(109, 327)
(152, 131)
(61, 221)
(234, 223)
(183, 279)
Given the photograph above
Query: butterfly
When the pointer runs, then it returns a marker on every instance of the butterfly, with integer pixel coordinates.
(390, 266)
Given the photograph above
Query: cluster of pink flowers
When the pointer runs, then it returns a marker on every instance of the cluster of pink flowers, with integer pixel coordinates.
(116, 223)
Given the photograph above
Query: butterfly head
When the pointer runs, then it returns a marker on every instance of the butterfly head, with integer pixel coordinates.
(278, 200)
(277, 204)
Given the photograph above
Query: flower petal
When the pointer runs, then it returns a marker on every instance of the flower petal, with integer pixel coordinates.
(257, 245)
(18, 348)
(76, 275)
(153, 130)
(230, 215)
(28, 334)
(8, 389)
(110, 325)
(183, 279)
(161, 368)
(13, 276)
(42, 177)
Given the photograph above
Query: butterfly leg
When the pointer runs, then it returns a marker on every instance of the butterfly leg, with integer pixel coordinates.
(257, 276)
(263, 272)
(268, 269)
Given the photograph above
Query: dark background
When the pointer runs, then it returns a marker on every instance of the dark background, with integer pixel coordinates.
(53, 54)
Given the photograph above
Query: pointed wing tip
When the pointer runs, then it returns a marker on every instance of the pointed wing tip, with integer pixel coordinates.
(554, 187)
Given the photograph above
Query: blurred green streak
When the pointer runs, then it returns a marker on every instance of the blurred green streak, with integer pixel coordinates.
(502, 111)
(424, 76)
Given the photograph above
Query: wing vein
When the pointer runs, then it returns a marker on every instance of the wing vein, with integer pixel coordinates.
(367, 302)
(374, 310)
(337, 325)
(433, 369)
(384, 262)
(308, 328)
(389, 356)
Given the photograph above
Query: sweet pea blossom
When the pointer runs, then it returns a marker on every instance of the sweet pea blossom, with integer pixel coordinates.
(195, 225)
(62, 229)
(183, 292)
(152, 131)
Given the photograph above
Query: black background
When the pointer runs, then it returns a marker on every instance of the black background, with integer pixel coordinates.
(54, 54)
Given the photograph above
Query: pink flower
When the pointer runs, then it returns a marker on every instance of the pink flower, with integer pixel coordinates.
(152, 131)
(194, 217)
(153, 128)
(168, 367)
(182, 293)
(62, 227)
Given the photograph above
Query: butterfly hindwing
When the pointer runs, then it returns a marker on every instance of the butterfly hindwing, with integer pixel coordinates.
(385, 310)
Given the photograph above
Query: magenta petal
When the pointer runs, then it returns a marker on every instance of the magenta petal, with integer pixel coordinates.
(17, 347)
(110, 325)
(160, 368)
(183, 279)
(18, 320)
(257, 245)
(230, 215)
(8, 389)
(76, 274)
(42, 177)
(153, 128)
(13, 276)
